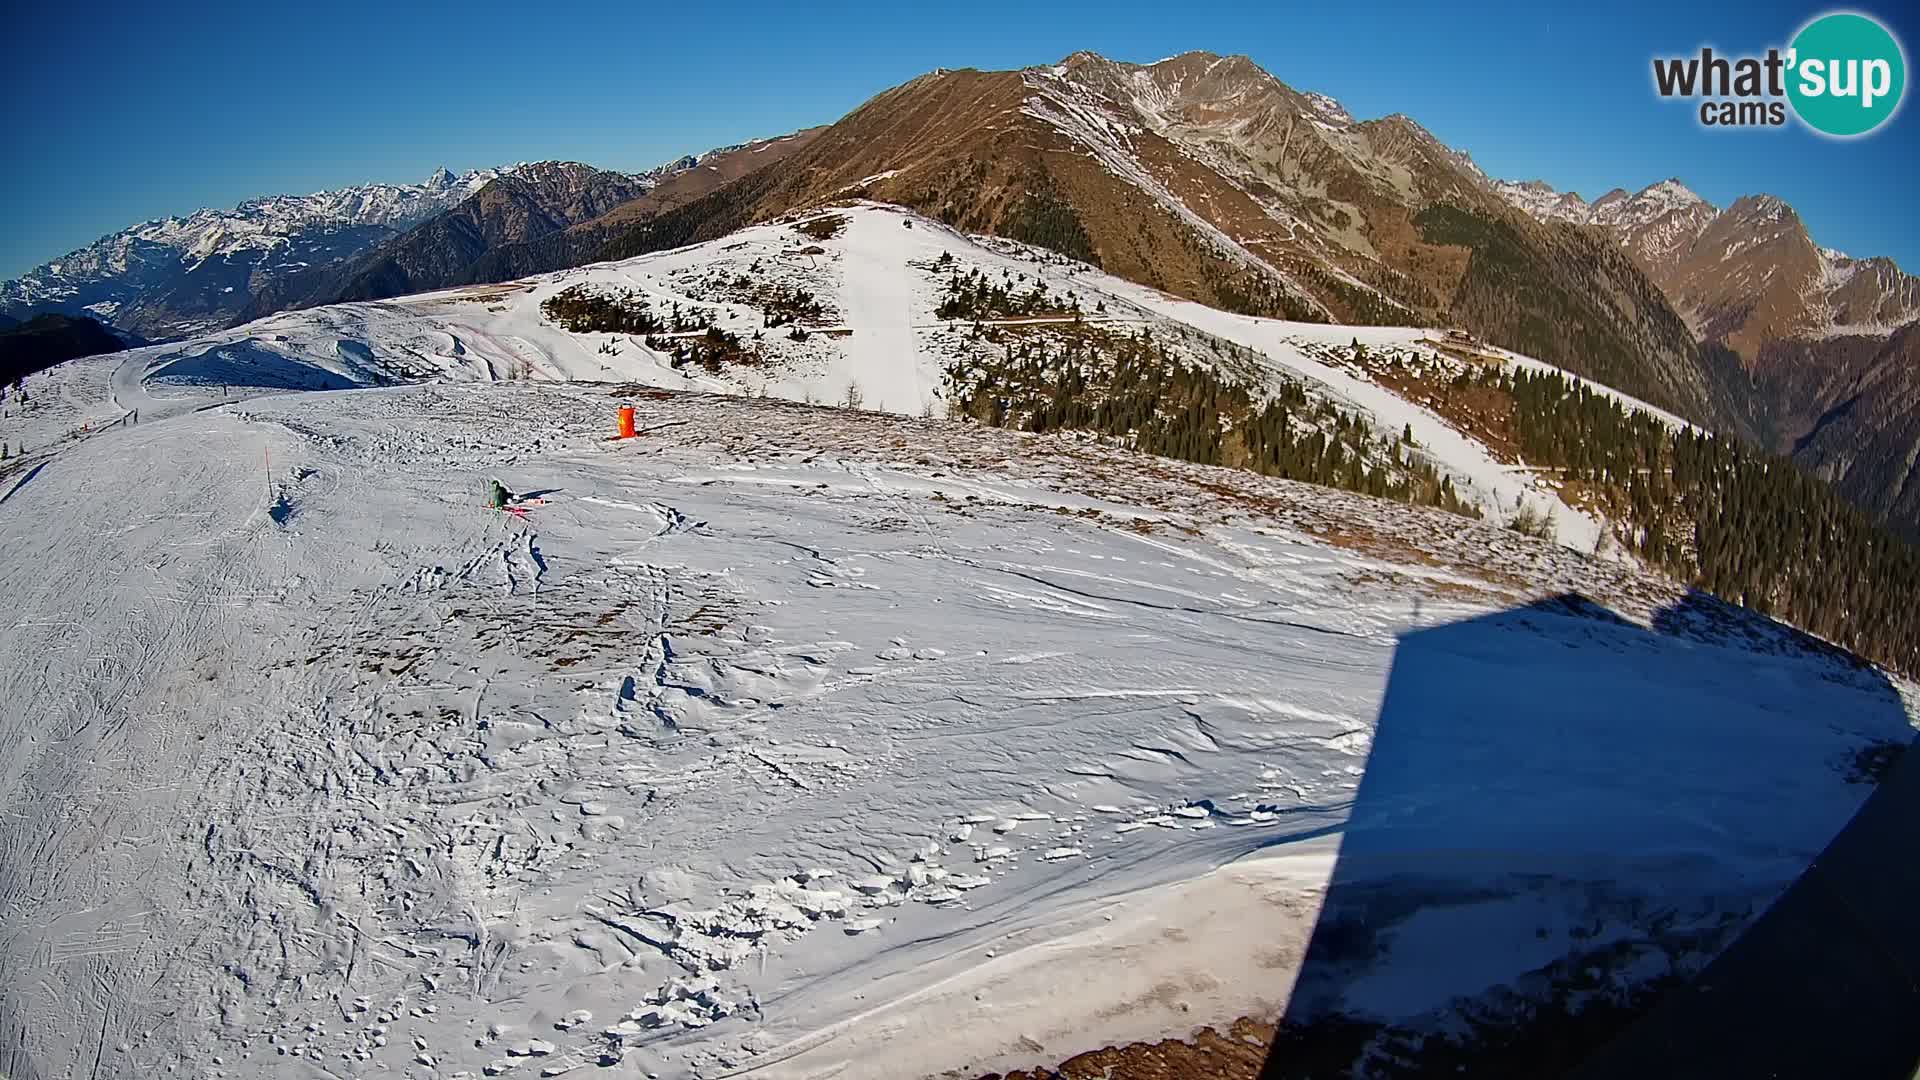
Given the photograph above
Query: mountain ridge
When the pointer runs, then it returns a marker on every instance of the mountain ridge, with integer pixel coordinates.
(177, 275)
(1665, 224)
(530, 201)
(1210, 178)
(1826, 346)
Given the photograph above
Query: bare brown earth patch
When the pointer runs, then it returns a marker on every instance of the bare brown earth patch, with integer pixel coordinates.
(1235, 1054)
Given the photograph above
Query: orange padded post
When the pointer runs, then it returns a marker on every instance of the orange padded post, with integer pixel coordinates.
(626, 421)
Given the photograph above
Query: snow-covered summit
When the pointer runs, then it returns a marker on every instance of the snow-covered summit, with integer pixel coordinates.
(1329, 109)
(1619, 210)
(181, 274)
(1616, 209)
(1539, 199)
(1656, 224)
(277, 216)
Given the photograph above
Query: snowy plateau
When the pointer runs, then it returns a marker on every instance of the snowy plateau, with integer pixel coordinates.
(791, 739)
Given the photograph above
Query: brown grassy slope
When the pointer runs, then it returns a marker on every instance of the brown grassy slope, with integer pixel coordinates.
(582, 242)
(1208, 1055)
(1311, 207)
(957, 146)
(703, 179)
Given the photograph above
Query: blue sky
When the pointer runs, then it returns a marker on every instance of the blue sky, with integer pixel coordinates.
(116, 113)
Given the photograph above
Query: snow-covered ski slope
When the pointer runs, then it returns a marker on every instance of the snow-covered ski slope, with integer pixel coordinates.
(879, 281)
(794, 742)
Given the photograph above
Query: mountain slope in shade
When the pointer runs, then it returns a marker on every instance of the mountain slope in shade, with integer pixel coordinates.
(46, 340)
(1848, 409)
(173, 277)
(1209, 178)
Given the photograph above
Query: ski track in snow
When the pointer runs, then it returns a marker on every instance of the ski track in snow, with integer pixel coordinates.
(769, 740)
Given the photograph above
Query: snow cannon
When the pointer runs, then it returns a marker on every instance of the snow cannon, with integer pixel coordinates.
(626, 422)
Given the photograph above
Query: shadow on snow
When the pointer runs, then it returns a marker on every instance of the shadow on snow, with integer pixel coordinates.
(1565, 817)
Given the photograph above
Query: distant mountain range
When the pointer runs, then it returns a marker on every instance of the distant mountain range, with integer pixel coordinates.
(517, 204)
(178, 276)
(1201, 175)
(1827, 345)
(532, 218)
(1742, 276)
(175, 277)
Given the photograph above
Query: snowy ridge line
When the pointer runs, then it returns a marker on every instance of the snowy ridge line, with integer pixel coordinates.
(182, 275)
(879, 282)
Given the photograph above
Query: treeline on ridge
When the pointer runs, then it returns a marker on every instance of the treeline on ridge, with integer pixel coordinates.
(1751, 528)
(1129, 386)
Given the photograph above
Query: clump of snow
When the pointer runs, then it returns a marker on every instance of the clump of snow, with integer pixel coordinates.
(1329, 109)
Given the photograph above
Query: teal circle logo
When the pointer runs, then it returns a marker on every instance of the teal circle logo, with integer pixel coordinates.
(1847, 76)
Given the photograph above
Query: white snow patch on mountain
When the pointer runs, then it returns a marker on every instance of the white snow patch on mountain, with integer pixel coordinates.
(1615, 210)
(1649, 205)
(1541, 201)
(261, 223)
(1328, 108)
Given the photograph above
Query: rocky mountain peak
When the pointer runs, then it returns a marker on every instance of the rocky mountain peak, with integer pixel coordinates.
(1763, 209)
(1671, 190)
(1329, 109)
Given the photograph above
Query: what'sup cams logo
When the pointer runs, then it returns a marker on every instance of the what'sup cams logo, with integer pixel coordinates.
(1843, 75)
